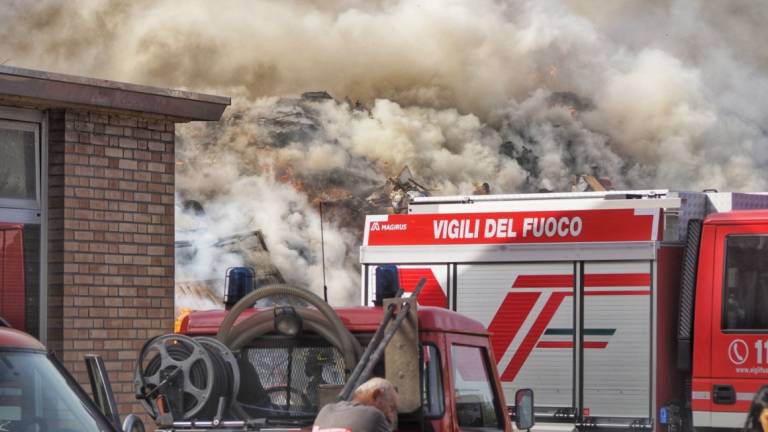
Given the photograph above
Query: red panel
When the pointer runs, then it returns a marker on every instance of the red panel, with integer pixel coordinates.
(595, 345)
(583, 226)
(617, 280)
(432, 294)
(544, 281)
(3, 265)
(618, 293)
(508, 320)
(702, 323)
(12, 295)
(554, 344)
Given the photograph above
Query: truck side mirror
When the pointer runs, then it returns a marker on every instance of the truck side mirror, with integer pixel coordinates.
(101, 389)
(524, 409)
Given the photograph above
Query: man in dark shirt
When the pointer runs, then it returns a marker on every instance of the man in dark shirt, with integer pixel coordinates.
(373, 409)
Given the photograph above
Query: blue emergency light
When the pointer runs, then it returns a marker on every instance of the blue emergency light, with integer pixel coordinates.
(387, 283)
(238, 284)
(664, 415)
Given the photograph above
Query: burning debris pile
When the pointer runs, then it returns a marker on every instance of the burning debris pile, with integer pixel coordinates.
(313, 150)
(394, 196)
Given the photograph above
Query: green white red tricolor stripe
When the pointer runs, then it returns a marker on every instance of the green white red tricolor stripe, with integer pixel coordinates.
(521, 323)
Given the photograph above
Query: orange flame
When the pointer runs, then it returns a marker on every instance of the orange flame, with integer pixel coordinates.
(182, 314)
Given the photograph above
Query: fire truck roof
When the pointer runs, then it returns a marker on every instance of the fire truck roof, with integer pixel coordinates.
(358, 319)
(11, 338)
(737, 216)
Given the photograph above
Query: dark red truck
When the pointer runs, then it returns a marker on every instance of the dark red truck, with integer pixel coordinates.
(273, 366)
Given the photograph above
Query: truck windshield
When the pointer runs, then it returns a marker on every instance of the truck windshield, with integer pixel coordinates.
(36, 396)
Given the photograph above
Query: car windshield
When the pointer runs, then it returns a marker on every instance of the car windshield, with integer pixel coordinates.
(35, 395)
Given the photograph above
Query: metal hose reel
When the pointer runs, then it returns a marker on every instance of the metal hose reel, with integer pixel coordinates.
(179, 378)
(189, 378)
(228, 360)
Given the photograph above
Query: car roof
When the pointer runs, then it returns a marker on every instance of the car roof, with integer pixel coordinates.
(359, 319)
(12, 338)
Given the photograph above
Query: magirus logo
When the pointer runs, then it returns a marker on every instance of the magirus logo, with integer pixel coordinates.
(376, 226)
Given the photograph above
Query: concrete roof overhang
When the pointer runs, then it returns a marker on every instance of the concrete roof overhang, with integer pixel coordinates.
(52, 89)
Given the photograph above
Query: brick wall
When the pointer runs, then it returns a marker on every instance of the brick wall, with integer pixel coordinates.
(111, 235)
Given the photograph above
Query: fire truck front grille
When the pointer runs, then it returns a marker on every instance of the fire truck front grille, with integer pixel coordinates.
(280, 376)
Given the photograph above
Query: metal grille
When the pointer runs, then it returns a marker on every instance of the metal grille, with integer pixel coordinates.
(283, 375)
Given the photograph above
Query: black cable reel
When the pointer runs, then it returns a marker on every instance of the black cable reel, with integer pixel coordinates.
(186, 377)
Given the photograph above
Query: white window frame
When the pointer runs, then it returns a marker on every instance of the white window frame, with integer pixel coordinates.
(32, 211)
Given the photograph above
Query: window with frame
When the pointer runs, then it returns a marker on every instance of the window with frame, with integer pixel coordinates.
(21, 220)
(18, 166)
(745, 283)
(432, 382)
(477, 404)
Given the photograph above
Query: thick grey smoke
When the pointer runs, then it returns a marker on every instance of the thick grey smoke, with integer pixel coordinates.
(522, 94)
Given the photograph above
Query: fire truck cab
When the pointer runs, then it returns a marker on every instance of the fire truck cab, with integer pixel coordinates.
(621, 310)
(730, 321)
(278, 354)
(454, 368)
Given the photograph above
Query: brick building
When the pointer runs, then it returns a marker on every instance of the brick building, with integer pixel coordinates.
(87, 213)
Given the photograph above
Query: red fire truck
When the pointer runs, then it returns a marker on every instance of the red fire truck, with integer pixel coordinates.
(273, 366)
(619, 309)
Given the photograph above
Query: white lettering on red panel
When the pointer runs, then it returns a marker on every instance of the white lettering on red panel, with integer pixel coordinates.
(520, 227)
(500, 228)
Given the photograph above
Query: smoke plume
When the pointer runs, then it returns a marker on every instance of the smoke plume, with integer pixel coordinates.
(524, 95)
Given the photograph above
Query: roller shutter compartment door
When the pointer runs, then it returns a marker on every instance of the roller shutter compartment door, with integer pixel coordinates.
(528, 309)
(617, 339)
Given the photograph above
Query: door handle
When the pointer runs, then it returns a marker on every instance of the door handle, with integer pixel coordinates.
(723, 394)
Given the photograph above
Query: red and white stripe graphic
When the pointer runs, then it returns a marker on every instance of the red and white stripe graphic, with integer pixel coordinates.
(526, 311)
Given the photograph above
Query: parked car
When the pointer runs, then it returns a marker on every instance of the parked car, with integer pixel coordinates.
(37, 394)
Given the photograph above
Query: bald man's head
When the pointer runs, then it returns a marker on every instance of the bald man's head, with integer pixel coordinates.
(379, 393)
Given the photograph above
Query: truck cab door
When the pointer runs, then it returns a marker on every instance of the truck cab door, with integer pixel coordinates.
(739, 354)
(476, 396)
